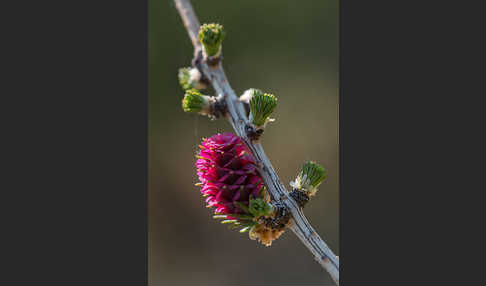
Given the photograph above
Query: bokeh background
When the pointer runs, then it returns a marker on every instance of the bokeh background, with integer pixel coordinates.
(289, 48)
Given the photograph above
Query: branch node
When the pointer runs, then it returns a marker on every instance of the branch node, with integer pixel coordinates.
(253, 133)
(281, 218)
(218, 108)
(301, 198)
(213, 61)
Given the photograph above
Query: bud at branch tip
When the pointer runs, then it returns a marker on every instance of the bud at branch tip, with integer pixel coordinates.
(190, 78)
(261, 107)
(211, 36)
(309, 178)
(194, 101)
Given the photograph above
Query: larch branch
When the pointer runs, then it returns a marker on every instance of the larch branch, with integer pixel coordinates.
(236, 114)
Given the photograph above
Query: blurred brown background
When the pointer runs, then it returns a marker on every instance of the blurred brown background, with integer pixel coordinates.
(289, 48)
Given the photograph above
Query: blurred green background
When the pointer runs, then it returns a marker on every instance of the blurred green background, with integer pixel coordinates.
(289, 48)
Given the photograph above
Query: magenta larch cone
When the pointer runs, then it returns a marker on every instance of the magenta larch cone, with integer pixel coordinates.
(228, 174)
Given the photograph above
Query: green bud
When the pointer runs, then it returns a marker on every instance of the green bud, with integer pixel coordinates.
(261, 106)
(185, 78)
(259, 207)
(190, 78)
(211, 36)
(194, 101)
(310, 177)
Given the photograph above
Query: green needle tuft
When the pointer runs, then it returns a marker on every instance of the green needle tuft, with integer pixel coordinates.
(261, 106)
(190, 78)
(310, 177)
(194, 101)
(211, 36)
(185, 78)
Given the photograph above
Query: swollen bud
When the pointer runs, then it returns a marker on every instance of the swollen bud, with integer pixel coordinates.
(190, 78)
(196, 102)
(261, 106)
(309, 178)
(211, 36)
